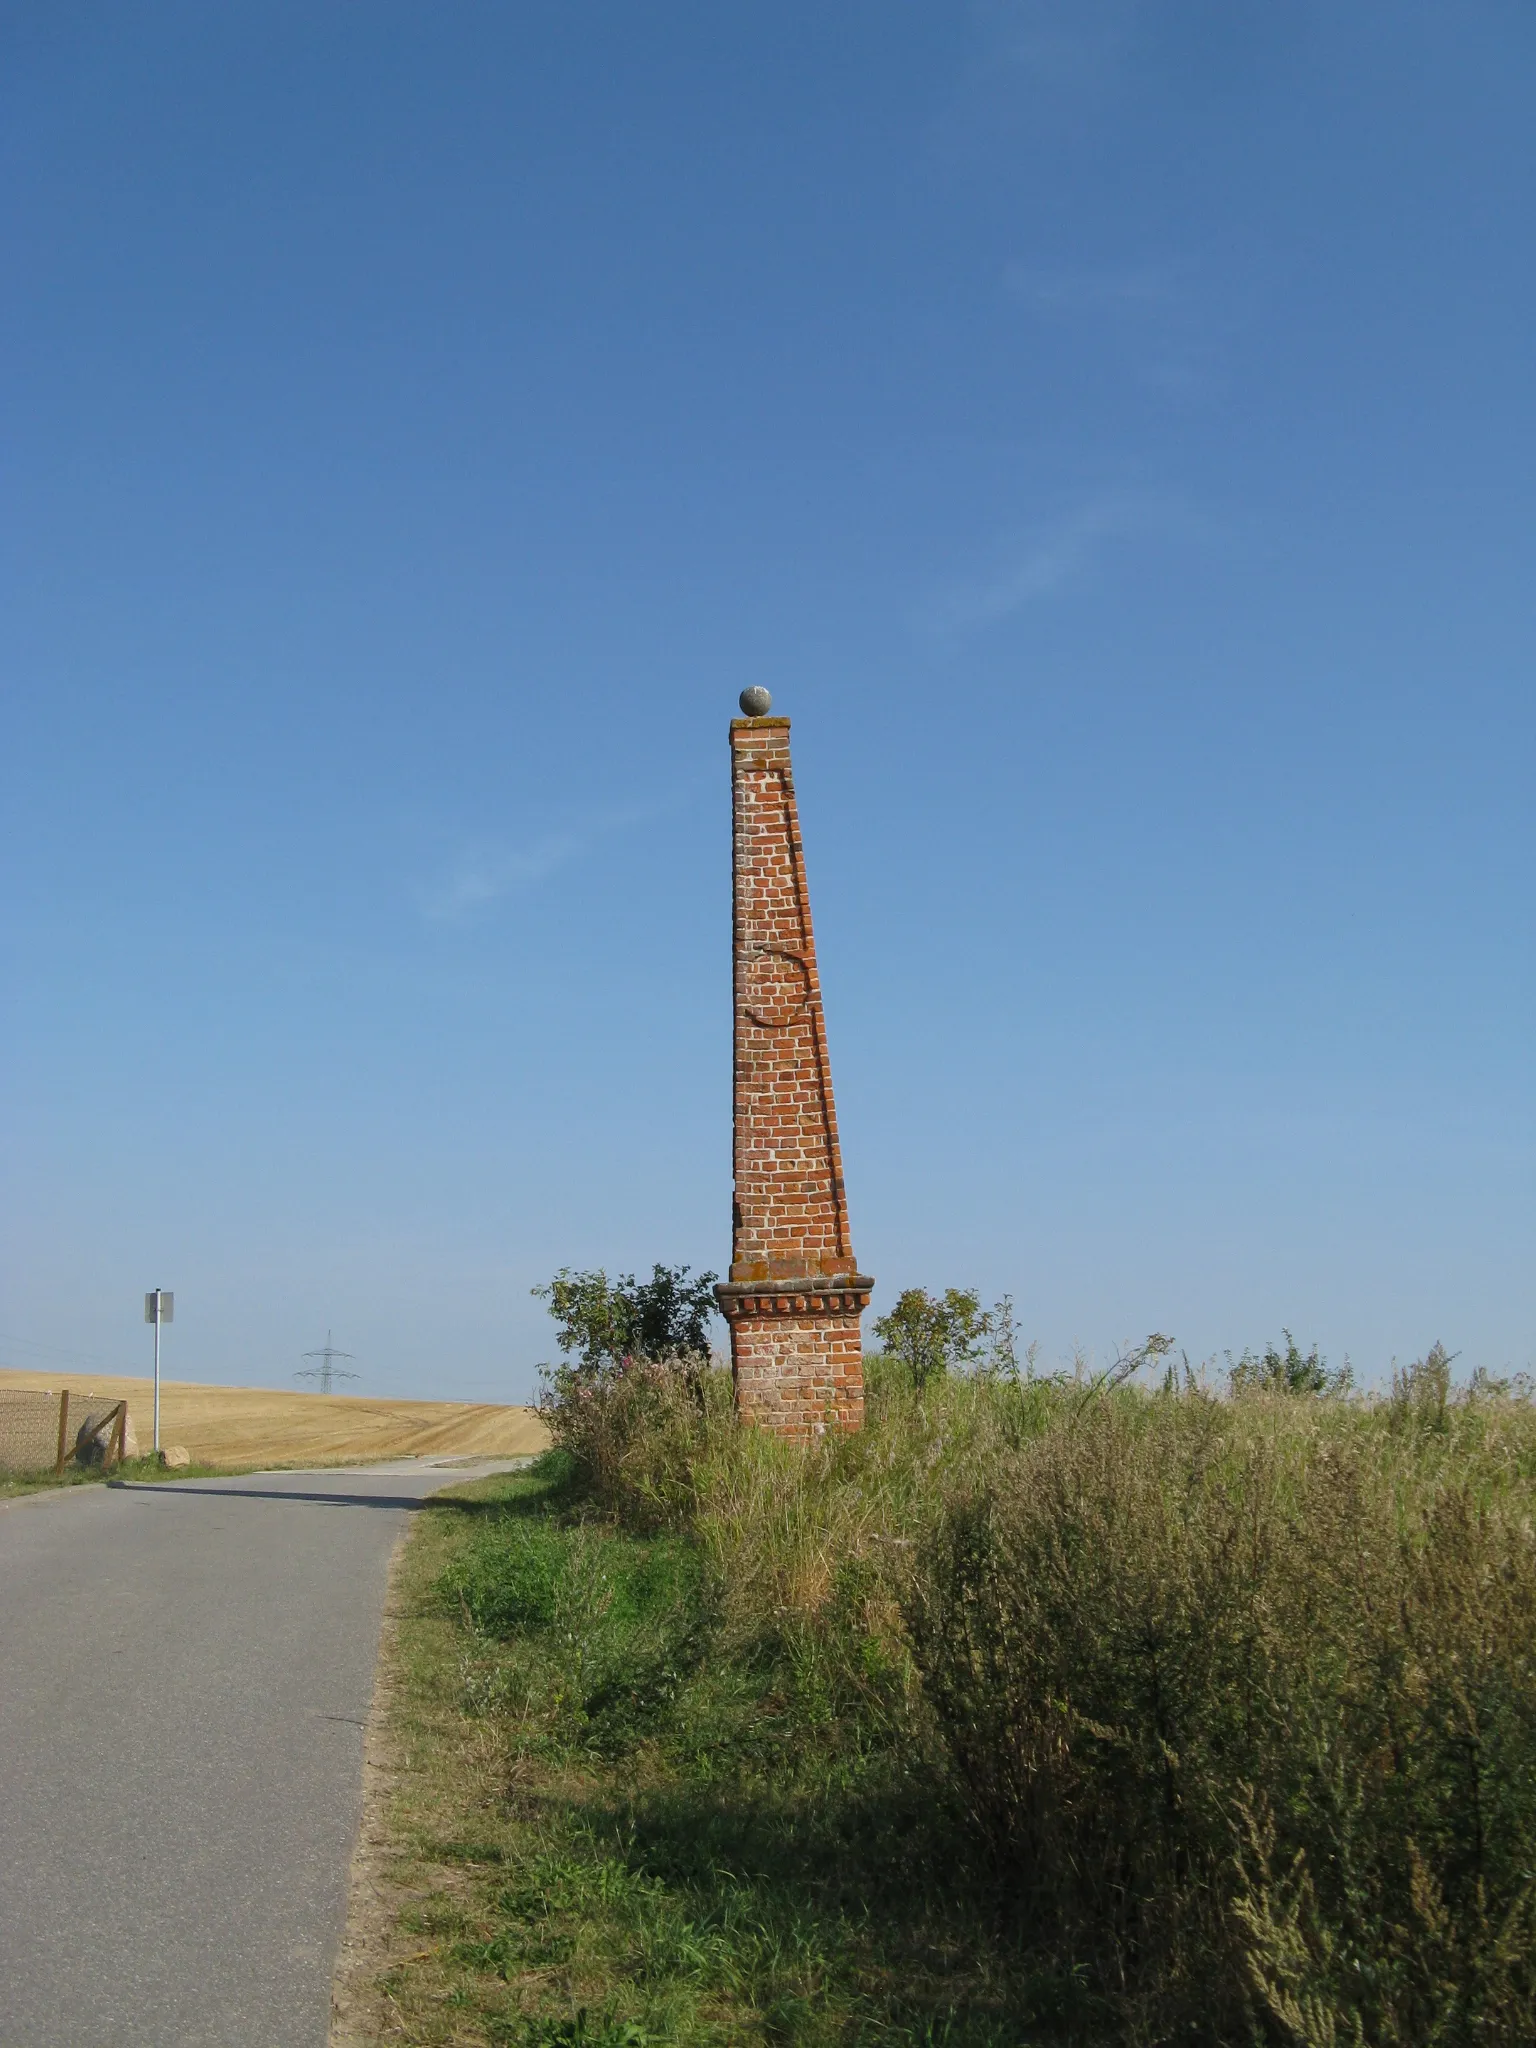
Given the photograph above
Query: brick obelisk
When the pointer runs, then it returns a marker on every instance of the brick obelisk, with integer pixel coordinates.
(795, 1294)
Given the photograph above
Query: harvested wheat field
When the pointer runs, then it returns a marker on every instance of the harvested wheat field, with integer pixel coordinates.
(258, 1426)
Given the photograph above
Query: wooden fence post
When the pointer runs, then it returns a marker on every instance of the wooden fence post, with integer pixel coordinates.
(58, 1469)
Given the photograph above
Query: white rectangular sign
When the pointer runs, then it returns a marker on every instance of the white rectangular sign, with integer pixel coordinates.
(167, 1307)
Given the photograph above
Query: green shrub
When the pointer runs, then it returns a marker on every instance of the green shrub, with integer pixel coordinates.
(927, 1335)
(628, 1395)
(635, 1437)
(1291, 1371)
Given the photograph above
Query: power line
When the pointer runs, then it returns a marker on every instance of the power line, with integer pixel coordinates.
(326, 1370)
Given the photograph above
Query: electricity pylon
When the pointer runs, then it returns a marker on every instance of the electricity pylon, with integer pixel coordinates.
(325, 1371)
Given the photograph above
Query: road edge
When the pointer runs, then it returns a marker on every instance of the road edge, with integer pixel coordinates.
(373, 1901)
(46, 1493)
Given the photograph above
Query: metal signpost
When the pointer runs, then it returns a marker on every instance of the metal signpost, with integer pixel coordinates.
(159, 1307)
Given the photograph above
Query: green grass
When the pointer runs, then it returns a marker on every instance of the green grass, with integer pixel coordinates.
(1026, 1716)
(623, 1826)
(13, 1484)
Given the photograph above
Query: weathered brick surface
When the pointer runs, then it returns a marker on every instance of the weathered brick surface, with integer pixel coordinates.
(795, 1294)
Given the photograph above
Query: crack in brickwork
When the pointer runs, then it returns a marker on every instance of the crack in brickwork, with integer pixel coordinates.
(795, 1294)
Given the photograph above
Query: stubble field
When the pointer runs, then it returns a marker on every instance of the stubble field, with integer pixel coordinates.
(245, 1426)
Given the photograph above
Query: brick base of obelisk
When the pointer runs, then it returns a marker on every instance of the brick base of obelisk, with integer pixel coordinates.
(795, 1294)
(797, 1359)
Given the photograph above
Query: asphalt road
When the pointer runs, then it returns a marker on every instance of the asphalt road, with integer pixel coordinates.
(185, 1677)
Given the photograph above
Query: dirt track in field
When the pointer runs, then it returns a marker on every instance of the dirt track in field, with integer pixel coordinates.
(257, 1426)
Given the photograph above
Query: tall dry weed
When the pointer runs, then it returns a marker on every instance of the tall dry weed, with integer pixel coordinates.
(1241, 1696)
(1236, 1695)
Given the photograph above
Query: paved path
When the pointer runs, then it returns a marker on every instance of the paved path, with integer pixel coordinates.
(185, 1676)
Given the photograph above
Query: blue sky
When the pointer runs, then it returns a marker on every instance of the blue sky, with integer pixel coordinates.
(1109, 431)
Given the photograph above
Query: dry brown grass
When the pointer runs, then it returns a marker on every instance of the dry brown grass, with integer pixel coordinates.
(262, 1426)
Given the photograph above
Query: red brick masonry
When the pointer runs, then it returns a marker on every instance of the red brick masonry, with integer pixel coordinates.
(795, 1294)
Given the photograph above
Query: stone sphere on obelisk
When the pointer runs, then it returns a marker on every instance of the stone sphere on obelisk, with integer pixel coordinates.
(795, 1294)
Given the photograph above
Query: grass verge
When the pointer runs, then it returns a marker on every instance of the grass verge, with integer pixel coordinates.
(606, 1829)
(147, 1470)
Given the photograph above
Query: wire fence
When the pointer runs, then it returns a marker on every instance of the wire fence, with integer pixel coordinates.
(40, 1431)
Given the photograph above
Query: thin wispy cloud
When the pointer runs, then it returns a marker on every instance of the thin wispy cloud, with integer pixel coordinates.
(1034, 65)
(489, 871)
(1064, 42)
(1131, 290)
(1042, 560)
(486, 871)
(1168, 324)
